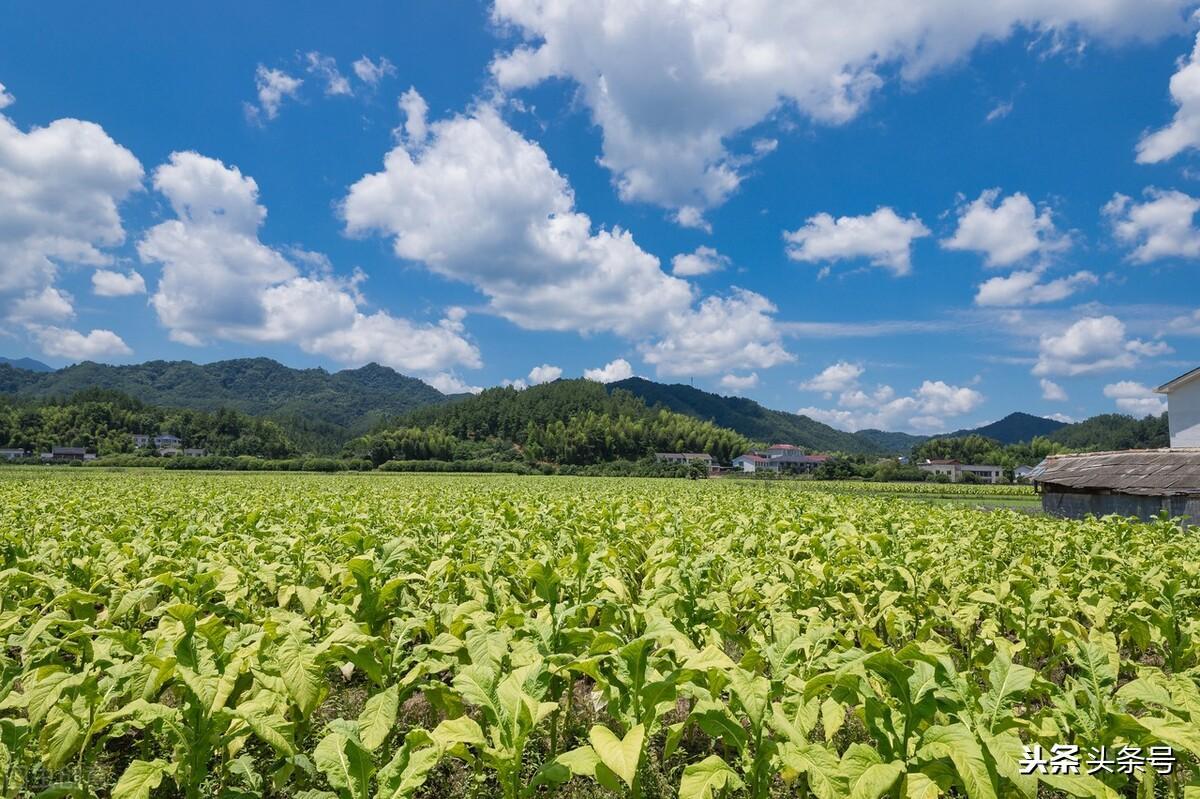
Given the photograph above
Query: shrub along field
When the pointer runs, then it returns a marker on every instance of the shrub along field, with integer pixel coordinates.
(360, 636)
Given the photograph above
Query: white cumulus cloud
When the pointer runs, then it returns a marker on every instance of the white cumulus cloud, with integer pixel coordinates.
(62, 342)
(1184, 131)
(611, 372)
(1005, 232)
(1052, 391)
(107, 283)
(671, 84)
(1092, 344)
(544, 374)
(1187, 325)
(1135, 398)
(477, 202)
(273, 86)
(840, 376)
(449, 383)
(1027, 288)
(46, 305)
(701, 261)
(481, 204)
(372, 72)
(737, 331)
(416, 112)
(220, 281)
(924, 410)
(883, 237)
(739, 383)
(325, 67)
(1160, 227)
(60, 190)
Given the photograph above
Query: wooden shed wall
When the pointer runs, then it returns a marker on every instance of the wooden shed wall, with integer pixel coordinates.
(1076, 505)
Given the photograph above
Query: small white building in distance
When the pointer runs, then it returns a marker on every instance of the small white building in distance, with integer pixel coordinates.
(986, 473)
(685, 458)
(751, 462)
(1183, 409)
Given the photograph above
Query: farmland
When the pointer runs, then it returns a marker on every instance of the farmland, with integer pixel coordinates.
(365, 636)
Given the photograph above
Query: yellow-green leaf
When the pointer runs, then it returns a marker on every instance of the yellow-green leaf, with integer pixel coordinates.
(621, 756)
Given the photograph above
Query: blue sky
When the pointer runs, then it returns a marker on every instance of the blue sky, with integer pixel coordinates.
(898, 215)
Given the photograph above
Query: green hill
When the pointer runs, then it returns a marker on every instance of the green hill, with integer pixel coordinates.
(1014, 428)
(891, 442)
(758, 423)
(105, 422)
(574, 422)
(1112, 431)
(28, 364)
(319, 410)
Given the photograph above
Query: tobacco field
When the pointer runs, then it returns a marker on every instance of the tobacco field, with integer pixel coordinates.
(386, 636)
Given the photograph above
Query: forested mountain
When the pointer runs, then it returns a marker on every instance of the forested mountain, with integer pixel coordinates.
(1100, 433)
(564, 422)
(888, 442)
(1013, 428)
(1113, 431)
(758, 423)
(319, 410)
(28, 364)
(105, 422)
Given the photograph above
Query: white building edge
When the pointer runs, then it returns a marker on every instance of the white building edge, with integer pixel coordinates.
(1183, 409)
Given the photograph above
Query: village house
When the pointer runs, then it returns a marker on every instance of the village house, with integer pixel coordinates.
(956, 470)
(750, 462)
(13, 454)
(686, 458)
(779, 458)
(194, 453)
(141, 440)
(167, 441)
(65, 454)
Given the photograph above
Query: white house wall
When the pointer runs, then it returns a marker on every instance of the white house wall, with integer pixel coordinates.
(1183, 415)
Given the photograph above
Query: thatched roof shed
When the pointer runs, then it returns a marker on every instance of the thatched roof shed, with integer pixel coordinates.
(1141, 483)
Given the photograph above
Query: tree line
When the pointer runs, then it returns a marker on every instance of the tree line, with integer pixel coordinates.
(569, 422)
(105, 422)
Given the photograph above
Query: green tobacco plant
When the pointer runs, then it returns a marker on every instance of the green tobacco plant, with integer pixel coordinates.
(470, 637)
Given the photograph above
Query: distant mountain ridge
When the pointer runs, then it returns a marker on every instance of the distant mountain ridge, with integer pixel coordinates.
(759, 423)
(1012, 429)
(28, 364)
(319, 410)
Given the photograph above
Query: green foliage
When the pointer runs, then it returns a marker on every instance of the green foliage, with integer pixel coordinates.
(508, 467)
(978, 449)
(439, 636)
(105, 422)
(1113, 431)
(762, 424)
(319, 411)
(1014, 428)
(251, 464)
(567, 422)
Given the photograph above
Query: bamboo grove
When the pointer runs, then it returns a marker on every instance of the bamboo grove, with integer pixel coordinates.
(363, 636)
